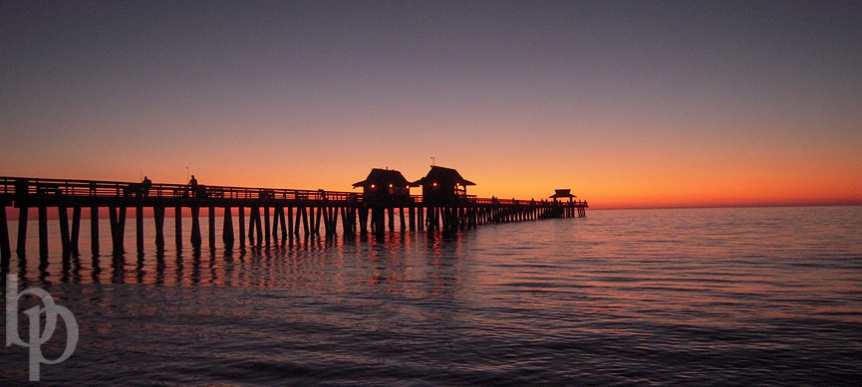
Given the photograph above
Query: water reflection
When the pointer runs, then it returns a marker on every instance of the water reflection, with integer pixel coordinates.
(549, 302)
(96, 269)
(387, 262)
(160, 268)
(71, 269)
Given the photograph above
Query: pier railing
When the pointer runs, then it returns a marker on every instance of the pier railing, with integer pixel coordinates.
(11, 186)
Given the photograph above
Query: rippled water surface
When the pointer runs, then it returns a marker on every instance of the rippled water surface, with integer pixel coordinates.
(745, 296)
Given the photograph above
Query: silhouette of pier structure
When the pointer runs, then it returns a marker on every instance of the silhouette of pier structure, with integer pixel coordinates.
(264, 215)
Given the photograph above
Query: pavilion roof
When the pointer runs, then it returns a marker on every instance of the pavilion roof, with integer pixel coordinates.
(562, 193)
(383, 176)
(443, 174)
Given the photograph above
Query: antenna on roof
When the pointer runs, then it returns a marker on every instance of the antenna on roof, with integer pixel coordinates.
(433, 160)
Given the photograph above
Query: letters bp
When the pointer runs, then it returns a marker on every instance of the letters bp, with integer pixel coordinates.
(36, 338)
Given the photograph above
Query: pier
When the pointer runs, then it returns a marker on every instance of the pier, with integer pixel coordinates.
(264, 216)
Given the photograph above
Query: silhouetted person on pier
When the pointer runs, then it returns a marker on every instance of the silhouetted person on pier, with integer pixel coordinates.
(145, 187)
(193, 185)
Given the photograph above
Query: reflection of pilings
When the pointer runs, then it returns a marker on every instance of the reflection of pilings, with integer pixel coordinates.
(118, 264)
(139, 269)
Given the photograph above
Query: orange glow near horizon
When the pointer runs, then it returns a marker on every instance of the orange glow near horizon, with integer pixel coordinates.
(606, 172)
(649, 188)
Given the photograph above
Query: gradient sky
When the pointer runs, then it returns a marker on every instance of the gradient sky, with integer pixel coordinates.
(629, 103)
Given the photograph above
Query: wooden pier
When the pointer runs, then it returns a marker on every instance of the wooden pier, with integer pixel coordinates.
(265, 216)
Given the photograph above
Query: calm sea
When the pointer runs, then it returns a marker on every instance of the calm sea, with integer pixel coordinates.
(743, 296)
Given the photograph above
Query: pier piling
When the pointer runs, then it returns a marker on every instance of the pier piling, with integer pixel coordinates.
(94, 230)
(5, 249)
(211, 226)
(178, 227)
(227, 228)
(76, 230)
(139, 228)
(196, 239)
(159, 218)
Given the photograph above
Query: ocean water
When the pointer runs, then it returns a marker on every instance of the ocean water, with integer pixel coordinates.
(741, 296)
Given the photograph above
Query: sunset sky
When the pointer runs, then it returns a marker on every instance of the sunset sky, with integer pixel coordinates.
(628, 103)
